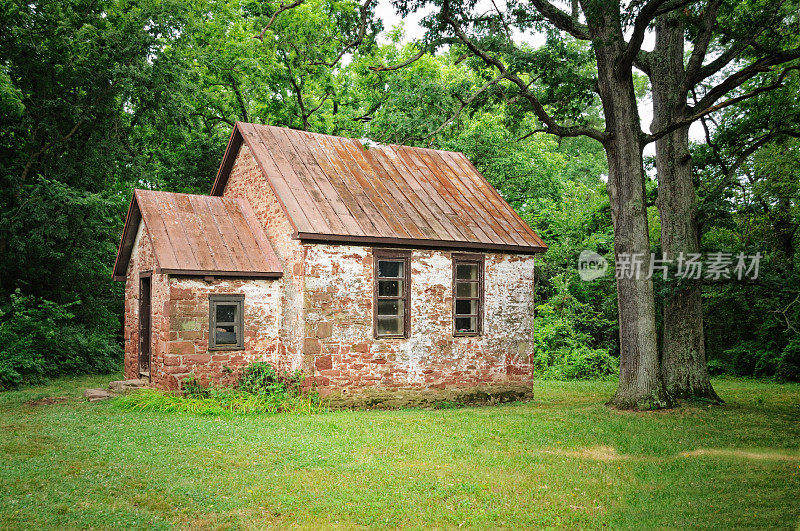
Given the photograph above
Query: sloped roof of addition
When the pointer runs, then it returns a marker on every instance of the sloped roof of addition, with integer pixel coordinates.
(198, 235)
(333, 189)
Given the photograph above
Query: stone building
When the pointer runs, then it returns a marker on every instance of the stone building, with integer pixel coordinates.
(383, 270)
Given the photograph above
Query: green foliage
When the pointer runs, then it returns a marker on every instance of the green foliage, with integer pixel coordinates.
(261, 378)
(219, 401)
(750, 203)
(261, 389)
(99, 97)
(788, 366)
(40, 339)
(563, 349)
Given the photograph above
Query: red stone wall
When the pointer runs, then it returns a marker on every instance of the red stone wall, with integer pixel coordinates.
(342, 354)
(186, 353)
(142, 260)
(180, 320)
(247, 181)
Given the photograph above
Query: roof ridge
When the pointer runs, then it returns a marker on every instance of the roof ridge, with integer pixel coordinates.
(306, 171)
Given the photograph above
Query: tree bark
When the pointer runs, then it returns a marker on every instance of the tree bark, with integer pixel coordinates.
(640, 384)
(683, 362)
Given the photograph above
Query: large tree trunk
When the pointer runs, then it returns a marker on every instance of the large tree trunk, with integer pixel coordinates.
(640, 384)
(683, 362)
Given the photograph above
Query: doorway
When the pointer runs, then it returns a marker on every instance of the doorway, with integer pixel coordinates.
(144, 327)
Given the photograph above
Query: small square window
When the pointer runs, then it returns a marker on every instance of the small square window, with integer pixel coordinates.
(226, 317)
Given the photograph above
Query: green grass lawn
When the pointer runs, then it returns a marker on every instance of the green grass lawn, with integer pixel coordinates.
(564, 460)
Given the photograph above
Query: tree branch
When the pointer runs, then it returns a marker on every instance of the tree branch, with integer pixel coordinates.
(35, 156)
(646, 15)
(47, 145)
(281, 9)
(212, 118)
(738, 78)
(562, 20)
(321, 103)
(464, 105)
(239, 98)
(642, 61)
(362, 32)
(538, 108)
(703, 109)
(398, 66)
(701, 43)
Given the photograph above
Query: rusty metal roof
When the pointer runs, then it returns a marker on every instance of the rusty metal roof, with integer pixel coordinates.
(333, 189)
(198, 235)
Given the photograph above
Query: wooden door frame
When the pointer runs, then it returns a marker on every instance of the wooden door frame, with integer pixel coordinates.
(145, 276)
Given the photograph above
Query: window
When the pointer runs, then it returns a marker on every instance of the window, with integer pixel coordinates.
(225, 322)
(467, 294)
(392, 293)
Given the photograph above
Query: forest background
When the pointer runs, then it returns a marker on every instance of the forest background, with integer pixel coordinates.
(98, 97)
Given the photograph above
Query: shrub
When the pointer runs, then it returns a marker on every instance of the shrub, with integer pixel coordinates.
(564, 352)
(579, 363)
(39, 339)
(192, 388)
(261, 377)
(788, 366)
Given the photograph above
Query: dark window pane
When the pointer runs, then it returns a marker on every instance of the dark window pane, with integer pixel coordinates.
(226, 313)
(390, 326)
(226, 335)
(390, 288)
(466, 289)
(391, 268)
(467, 307)
(467, 271)
(466, 324)
(391, 307)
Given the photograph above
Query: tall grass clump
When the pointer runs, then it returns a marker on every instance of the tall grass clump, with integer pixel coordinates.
(261, 389)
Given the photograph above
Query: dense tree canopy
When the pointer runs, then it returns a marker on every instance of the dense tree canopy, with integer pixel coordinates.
(101, 97)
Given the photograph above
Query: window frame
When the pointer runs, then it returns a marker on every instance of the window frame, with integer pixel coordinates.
(393, 255)
(213, 300)
(477, 259)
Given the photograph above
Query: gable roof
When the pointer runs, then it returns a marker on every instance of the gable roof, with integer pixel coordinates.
(198, 235)
(333, 189)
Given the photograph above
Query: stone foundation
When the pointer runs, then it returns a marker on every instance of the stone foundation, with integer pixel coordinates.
(378, 398)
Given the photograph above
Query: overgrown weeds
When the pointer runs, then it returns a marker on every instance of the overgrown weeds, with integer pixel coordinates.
(261, 389)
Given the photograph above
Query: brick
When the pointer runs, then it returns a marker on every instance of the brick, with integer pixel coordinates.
(360, 347)
(311, 346)
(172, 361)
(181, 347)
(324, 329)
(178, 369)
(323, 363)
(181, 294)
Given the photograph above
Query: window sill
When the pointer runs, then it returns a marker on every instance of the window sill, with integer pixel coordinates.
(217, 349)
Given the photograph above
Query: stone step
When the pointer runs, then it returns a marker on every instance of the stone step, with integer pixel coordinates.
(122, 386)
(95, 395)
